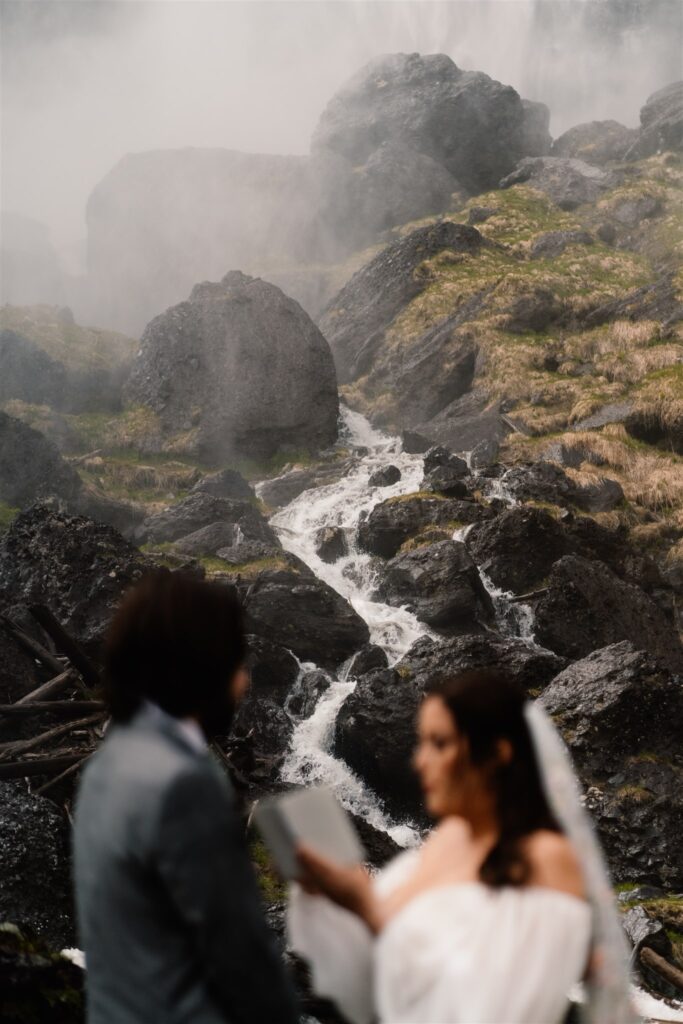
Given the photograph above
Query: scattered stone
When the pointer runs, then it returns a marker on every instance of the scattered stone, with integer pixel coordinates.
(552, 244)
(306, 693)
(385, 477)
(440, 457)
(568, 182)
(227, 483)
(370, 658)
(479, 214)
(392, 522)
(331, 544)
(484, 454)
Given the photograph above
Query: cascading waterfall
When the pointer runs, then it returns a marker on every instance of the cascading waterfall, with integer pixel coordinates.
(395, 630)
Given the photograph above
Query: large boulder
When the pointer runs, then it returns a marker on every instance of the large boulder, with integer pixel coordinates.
(238, 369)
(546, 481)
(586, 606)
(226, 483)
(35, 881)
(200, 511)
(375, 727)
(597, 142)
(440, 584)
(300, 612)
(357, 318)
(661, 122)
(77, 567)
(394, 521)
(621, 712)
(31, 466)
(470, 124)
(567, 181)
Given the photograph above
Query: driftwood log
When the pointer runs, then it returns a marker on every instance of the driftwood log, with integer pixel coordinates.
(657, 963)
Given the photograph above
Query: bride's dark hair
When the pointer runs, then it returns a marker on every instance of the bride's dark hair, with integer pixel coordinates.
(487, 707)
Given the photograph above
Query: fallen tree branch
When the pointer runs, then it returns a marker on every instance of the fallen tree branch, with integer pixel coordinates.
(41, 766)
(32, 646)
(22, 746)
(67, 773)
(55, 685)
(60, 707)
(655, 962)
(66, 643)
(532, 595)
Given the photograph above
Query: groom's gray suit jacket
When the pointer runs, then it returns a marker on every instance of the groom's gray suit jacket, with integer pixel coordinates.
(168, 906)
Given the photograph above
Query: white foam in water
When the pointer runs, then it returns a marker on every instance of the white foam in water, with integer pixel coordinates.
(656, 1009)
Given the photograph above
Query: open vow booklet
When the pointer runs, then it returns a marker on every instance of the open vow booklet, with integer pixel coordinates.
(311, 816)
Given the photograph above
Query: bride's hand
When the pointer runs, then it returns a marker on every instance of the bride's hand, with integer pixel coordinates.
(349, 887)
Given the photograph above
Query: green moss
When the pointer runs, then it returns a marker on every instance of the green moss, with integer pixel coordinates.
(7, 514)
(273, 888)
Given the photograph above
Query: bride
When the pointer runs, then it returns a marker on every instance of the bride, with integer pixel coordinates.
(501, 911)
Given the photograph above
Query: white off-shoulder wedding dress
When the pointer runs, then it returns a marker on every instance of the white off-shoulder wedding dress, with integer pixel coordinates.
(457, 954)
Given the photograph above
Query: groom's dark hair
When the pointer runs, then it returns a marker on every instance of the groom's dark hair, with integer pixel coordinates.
(177, 641)
(487, 707)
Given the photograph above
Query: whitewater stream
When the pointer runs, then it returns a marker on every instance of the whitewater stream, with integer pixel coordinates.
(395, 630)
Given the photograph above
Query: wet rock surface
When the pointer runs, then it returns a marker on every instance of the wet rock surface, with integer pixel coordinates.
(200, 511)
(567, 181)
(586, 607)
(31, 467)
(246, 329)
(621, 713)
(596, 142)
(441, 585)
(35, 882)
(77, 567)
(331, 543)
(393, 522)
(227, 483)
(305, 615)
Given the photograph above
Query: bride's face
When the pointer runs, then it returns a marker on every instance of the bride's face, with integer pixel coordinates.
(440, 760)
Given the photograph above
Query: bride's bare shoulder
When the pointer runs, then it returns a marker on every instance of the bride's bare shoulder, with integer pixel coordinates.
(554, 863)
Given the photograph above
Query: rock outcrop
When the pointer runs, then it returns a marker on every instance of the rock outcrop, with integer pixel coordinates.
(567, 181)
(621, 712)
(238, 369)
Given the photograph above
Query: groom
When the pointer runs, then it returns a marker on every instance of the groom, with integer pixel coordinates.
(167, 901)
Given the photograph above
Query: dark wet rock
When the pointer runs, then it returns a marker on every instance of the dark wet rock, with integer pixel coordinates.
(273, 669)
(607, 233)
(285, 488)
(77, 567)
(35, 881)
(596, 142)
(602, 496)
(243, 552)
(553, 243)
(661, 121)
(356, 319)
(546, 481)
(534, 310)
(375, 728)
(440, 584)
(39, 985)
(468, 421)
(331, 543)
(439, 457)
(479, 214)
(392, 522)
(227, 483)
(199, 511)
(385, 477)
(265, 729)
(446, 480)
(518, 548)
(587, 607)
(414, 443)
(244, 329)
(568, 182)
(621, 713)
(18, 670)
(306, 693)
(305, 615)
(484, 454)
(31, 466)
(379, 847)
(470, 124)
(370, 658)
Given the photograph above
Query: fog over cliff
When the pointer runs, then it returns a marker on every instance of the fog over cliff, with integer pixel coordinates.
(85, 82)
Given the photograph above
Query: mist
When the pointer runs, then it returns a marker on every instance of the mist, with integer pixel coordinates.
(84, 83)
